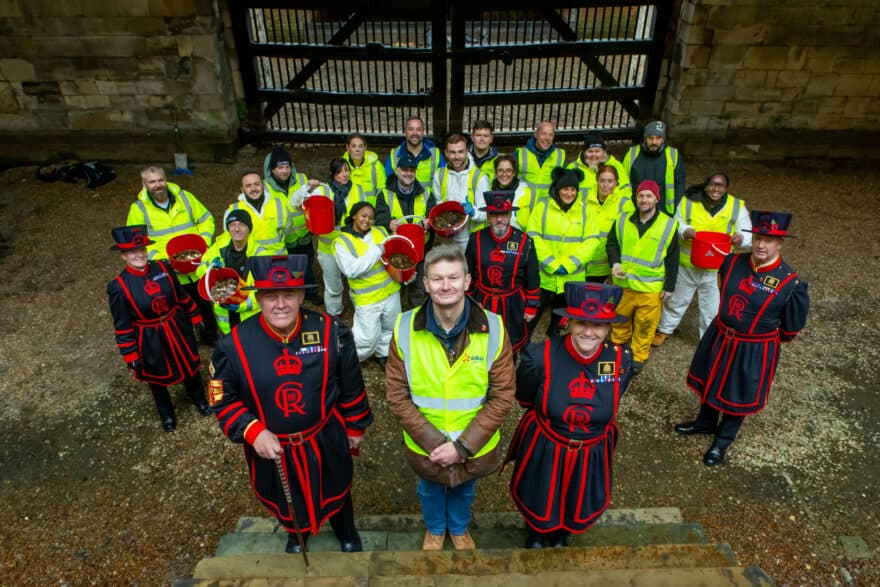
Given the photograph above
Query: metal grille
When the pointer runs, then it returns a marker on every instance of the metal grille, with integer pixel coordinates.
(316, 74)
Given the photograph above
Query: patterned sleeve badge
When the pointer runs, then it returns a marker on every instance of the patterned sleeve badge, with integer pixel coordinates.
(310, 338)
(606, 367)
(215, 391)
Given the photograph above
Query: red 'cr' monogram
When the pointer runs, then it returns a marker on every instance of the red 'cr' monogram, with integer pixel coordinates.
(577, 416)
(288, 398)
(736, 305)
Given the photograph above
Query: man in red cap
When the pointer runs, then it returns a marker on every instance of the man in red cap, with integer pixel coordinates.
(504, 269)
(288, 385)
(643, 251)
(763, 304)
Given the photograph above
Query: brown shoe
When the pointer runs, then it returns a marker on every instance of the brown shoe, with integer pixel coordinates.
(433, 541)
(659, 339)
(463, 542)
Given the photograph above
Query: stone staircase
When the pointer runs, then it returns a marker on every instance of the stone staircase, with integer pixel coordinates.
(650, 547)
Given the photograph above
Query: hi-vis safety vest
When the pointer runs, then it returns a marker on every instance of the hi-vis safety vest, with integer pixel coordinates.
(250, 306)
(449, 396)
(420, 208)
(269, 223)
(375, 285)
(473, 180)
(697, 217)
(536, 175)
(355, 195)
(642, 257)
(370, 175)
(668, 202)
(600, 218)
(296, 230)
(426, 167)
(187, 215)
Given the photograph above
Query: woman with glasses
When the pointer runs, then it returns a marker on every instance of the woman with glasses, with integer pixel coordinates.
(507, 179)
(706, 207)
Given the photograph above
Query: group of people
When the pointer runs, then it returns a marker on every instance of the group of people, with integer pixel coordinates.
(612, 263)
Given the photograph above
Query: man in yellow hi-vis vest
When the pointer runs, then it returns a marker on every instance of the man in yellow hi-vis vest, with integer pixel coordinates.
(643, 251)
(450, 381)
(654, 159)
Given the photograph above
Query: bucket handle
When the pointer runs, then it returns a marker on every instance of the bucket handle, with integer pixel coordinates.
(207, 279)
(721, 252)
(393, 237)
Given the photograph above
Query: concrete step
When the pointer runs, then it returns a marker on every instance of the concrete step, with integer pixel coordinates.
(374, 540)
(413, 522)
(702, 577)
(475, 562)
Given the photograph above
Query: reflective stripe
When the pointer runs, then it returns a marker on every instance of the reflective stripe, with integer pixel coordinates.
(171, 229)
(404, 342)
(371, 288)
(736, 206)
(635, 277)
(439, 403)
(658, 257)
(547, 261)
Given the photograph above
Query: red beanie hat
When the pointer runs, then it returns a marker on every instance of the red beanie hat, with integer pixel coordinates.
(651, 186)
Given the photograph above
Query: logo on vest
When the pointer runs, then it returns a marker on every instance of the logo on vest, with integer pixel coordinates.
(736, 305)
(581, 388)
(577, 416)
(287, 364)
(289, 398)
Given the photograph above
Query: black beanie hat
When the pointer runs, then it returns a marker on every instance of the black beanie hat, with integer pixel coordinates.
(566, 178)
(279, 156)
(241, 216)
(593, 139)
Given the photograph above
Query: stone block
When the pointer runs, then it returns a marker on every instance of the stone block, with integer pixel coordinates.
(178, 67)
(711, 93)
(785, 79)
(727, 57)
(86, 87)
(152, 68)
(857, 107)
(40, 8)
(151, 87)
(115, 46)
(173, 7)
(845, 63)
(822, 85)
(162, 45)
(8, 101)
(757, 94)
(736, 109)
(10, 9)
(750, 79)
(205, 79)
(706, 107)
(204, 46)
(75, 101)
(797, 58)
(184, 45)
(696, 56)
(821, 59)
(856, 85)
(745, 35)
(120, 116)
(105, 88)
(97, 101)
(17, 70)
(145, 26)
(47, 88)
(766, 58)
(115, 8)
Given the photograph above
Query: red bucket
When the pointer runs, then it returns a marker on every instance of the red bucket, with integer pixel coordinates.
(185, 242)
(709, 249)
(319, 214)
(212, 276)
(416, 235)
(394, 245)
(449, 206)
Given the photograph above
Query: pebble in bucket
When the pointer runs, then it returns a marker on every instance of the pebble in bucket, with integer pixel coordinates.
(185, 252)
(414, 232)
(709, 249)
(447, 218)
(222, 286)
(400, 258)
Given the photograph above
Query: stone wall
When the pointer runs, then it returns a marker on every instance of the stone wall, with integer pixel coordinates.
(775, 78)
(112, 79)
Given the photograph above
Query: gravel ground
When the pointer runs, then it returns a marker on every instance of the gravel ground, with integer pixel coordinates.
(93, 492)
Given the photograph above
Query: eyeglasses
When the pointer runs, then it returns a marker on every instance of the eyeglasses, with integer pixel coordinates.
(717, 184)
(501, 170)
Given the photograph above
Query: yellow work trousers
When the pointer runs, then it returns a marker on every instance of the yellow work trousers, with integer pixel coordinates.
(643, 310)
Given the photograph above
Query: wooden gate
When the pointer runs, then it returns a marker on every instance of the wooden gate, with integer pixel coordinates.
(315, 71)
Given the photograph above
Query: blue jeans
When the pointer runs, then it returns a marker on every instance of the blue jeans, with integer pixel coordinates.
(446, 508)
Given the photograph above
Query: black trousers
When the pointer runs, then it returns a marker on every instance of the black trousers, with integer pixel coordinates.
(194, 389)
(726, 431)
(206, 309)
(308, 250)
(597, 278)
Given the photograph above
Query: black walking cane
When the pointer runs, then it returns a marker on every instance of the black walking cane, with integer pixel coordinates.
(289, 498)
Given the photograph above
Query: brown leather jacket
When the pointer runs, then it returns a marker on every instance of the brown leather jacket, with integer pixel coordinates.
(499, 400)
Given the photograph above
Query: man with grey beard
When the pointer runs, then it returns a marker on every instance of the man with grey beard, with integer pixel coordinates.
(504, 269)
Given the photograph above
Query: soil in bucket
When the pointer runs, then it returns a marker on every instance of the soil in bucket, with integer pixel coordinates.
(401, 261)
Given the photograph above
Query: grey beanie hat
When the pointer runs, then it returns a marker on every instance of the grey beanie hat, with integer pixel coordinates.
(655, 128)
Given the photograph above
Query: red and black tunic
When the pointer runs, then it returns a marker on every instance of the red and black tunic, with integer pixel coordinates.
(564, 444)
(505, 278)
(308, 391)
(154, 317)
(735, 361)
